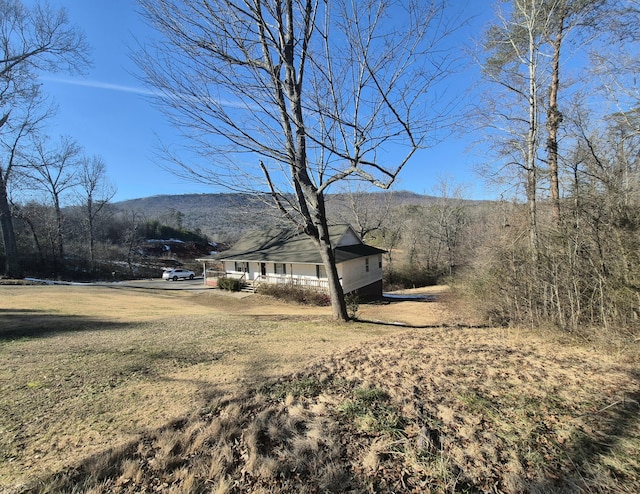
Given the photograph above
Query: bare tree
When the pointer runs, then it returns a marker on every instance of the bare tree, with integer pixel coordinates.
(554, 116)
(360, 206)
(451, 219)
(516, 63)
(95, 192)
(583, 271)
(432, 233)
(31, 40)
(132, 222)
(538, 37)
(289, 97)
(616, 63)
(53, 170)
(25, 121)
(582, 22)
(34, 215)
(390, 236)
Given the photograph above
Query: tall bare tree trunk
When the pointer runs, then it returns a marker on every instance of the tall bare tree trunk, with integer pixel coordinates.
(313, 205)
(310, 199)
(12, 267)
(338, 303)
(92, 249)
(59, 233)
(554, 117)
(532, 145)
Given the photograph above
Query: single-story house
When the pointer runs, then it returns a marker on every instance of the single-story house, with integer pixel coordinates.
(290, 256)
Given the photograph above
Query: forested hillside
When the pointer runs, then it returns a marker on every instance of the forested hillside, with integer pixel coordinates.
(220, 217)
(223, 217)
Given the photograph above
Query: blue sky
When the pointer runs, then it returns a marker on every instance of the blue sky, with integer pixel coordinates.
(108, 111)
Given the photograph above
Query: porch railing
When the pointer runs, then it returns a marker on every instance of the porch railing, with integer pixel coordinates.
(300, 281)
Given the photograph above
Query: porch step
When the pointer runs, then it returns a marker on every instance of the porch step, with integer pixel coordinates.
(247, 288)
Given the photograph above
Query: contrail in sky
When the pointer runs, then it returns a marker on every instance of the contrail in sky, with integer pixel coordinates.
(134, 90)
(102, 85)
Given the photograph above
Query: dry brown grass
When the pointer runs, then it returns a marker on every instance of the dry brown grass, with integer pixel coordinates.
(128, 391)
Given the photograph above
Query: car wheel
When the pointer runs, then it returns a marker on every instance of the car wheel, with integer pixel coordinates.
(190, 276)
(175, 278)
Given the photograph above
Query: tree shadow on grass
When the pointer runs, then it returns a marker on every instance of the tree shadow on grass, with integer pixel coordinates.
(597, 458)
(420, 326)
(29, 323)
(247, 437)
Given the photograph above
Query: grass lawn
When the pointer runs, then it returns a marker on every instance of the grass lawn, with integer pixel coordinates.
(122, 390)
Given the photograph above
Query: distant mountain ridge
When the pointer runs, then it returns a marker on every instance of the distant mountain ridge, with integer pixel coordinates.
(224, 216)
(215, 215)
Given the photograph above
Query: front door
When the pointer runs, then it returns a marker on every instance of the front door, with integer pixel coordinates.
(263, 269)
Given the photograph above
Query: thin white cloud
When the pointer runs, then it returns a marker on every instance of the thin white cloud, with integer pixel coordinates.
(101, 85)
(131, 89)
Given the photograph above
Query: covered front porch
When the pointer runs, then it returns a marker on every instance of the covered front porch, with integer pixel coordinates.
(252, 274)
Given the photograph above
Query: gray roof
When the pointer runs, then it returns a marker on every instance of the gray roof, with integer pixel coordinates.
(286, 246)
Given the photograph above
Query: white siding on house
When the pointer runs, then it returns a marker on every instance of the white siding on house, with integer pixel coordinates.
(254, 270)
(356, 275)
(305, 270)
(235, 267)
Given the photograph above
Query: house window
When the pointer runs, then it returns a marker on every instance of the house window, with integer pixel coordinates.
(320, 271)
(242, 267)
(366, 264)
(380, 261)
(280, 268)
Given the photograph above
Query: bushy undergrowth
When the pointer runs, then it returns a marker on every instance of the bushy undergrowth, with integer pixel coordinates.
(569, 291)
(229, 284)
(296, 294)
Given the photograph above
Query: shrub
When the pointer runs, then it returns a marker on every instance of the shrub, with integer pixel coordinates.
(297, 294)
(230, 284)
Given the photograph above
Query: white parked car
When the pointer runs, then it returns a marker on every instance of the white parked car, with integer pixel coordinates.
(177, 273)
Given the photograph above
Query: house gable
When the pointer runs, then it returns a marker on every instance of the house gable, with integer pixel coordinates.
(348, 237)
